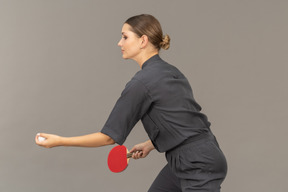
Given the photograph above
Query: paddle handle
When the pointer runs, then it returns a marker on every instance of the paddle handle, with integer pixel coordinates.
(129, 155)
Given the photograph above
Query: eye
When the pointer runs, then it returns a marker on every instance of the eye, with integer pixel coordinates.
(124, 37)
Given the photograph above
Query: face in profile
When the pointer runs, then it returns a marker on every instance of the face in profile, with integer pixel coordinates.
(130, 43)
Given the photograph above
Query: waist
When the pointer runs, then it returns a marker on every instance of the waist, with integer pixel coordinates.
(195, 139)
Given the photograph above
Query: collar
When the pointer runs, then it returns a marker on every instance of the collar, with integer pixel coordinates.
(151, 60)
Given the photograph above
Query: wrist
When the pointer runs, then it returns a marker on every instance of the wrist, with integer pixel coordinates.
(149, 145)
(62, 141)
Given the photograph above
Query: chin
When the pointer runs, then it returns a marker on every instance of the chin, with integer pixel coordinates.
(125, 57)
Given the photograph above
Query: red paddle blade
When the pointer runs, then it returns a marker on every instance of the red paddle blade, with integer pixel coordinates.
(117, 159)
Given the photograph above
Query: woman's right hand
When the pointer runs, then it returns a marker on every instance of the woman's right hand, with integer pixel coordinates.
(50, 140)
(141, 150)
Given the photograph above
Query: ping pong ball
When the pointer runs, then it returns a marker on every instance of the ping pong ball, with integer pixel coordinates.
(41, 138)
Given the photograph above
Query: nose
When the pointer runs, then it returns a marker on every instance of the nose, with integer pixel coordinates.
(120, 43)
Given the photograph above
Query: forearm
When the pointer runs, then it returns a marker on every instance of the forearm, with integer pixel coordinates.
(91, 140)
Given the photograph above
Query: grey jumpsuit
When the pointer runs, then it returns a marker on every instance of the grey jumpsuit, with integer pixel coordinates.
(161, 97)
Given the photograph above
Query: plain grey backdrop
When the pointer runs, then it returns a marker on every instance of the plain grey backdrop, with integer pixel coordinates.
(61, 72)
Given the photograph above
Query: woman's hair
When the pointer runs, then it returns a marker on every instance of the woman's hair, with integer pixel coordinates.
(148, 25)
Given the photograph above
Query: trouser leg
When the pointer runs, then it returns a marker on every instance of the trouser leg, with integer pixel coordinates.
(166, 181)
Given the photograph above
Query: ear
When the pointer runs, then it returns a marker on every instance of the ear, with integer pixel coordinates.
(144, 41)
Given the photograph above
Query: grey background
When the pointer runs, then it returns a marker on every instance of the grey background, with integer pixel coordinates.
(61, 72)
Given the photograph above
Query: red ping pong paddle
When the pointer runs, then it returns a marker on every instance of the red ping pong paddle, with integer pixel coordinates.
(118, 158)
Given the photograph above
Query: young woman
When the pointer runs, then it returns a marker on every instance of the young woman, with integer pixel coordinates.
(161, 97)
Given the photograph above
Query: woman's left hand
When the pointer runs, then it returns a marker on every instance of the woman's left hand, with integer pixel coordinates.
(50, 140)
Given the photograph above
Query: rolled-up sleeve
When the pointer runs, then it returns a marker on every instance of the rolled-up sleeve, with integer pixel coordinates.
(128, 110)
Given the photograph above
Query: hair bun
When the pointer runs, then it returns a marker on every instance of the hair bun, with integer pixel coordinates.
(165, 44)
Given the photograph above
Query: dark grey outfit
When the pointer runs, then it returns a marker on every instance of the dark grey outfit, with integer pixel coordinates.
(162, 98)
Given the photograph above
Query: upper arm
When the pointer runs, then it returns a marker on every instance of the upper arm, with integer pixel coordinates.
(128, 110)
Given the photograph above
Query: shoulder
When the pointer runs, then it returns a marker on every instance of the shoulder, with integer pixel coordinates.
(136, 88)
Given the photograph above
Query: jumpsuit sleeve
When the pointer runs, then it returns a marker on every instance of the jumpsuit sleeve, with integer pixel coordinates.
(128, 110)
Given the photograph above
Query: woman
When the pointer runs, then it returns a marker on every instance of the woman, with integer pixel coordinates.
(160, 96)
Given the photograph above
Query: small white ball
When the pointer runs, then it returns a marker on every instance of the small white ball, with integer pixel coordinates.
(41, 138)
